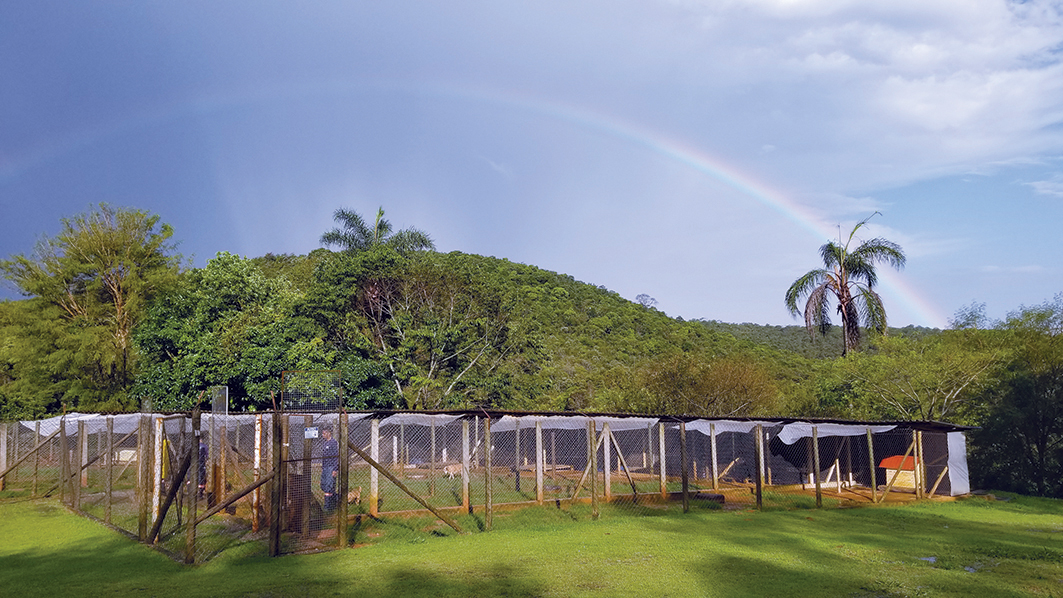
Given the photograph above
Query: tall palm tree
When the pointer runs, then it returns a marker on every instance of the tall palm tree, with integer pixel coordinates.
(355, 235)
(849, 277)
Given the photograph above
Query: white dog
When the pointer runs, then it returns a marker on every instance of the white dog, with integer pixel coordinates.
(452, 470)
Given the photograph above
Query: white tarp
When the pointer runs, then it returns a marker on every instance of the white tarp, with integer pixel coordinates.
(417, 419)
(959, 482)
(571, 422)
(726, 425)
(795, 431)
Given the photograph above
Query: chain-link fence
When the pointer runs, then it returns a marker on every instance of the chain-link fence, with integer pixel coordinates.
(297, 482)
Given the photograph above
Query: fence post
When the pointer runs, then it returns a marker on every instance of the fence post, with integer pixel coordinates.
(156, 478)
(815, 466)
(539, 465)
(75, 479)
(660, 453)
(3, 451)
(760, 465)
(432, 462)
(108, 464)
(489, 514)
(193, 487)
(683, 458)
(64, 462)
(607, 465)
(920, 471)
(344, 481)
(256, 465)
(516, 454)
(871, 459)
(466, 505)
(715, 467)
(374, 476)
(83, 459)
(592, 454)
(276, 488)
(36, 456)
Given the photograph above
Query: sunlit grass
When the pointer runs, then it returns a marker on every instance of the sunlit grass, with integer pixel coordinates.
(975, 547)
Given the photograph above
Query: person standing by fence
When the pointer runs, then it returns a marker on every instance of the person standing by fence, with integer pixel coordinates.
(330, 467)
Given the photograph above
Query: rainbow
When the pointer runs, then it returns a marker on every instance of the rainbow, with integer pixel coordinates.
(911, 299)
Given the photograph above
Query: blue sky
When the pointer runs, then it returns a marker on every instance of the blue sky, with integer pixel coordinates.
(696, 151)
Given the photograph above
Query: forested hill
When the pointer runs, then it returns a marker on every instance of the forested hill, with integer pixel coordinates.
(795, 339)
(420, 330)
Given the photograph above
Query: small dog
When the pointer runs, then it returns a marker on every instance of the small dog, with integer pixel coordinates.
(355, 496)
(453, 470)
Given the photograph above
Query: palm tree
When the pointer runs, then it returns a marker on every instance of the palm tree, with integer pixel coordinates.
(355, 235)
(849, 276)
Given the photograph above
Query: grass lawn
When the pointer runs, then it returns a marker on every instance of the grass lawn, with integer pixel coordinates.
(975, 547)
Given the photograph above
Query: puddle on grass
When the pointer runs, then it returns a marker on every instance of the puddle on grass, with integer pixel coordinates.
(929, 559)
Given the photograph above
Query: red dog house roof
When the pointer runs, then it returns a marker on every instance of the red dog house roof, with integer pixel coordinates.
(899, 462)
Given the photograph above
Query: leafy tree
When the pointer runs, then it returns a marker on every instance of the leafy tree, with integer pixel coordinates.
(939, 378)
(1019, 445)
(356, 235)
(99, 273)
(849, 277)
(227, 324)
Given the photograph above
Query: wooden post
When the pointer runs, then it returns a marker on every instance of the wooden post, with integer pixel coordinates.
(815, 466)
(871, 460)
(193, 488)
(223, 462)
(683, 453)
(276, 488)
(108, 464)
(256, 471)
(920, 471)
(592, 456)
(466, 505)
(661, 454)
(143, 475)
(607, 465)
(344, 481)
(838, 474)
(432, 461)
(516, 454)
(760, 465)
(374, 476)
(36, 457)
(649, 448)
(83, 452)
(156, 478)
(489, 512)
(79, 456)
(3, 451)
(64, 464)
(715, 467)
(539, 458)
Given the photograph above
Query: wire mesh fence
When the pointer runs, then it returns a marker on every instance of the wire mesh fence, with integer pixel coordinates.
(283, 483)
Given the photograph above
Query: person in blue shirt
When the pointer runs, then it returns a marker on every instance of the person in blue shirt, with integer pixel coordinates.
(330, 468)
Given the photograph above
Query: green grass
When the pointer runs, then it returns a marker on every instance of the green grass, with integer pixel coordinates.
(975, 547)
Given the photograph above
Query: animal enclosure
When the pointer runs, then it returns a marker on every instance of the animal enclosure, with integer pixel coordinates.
(194, 485)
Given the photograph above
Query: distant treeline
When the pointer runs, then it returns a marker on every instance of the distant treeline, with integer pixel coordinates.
(113, 319)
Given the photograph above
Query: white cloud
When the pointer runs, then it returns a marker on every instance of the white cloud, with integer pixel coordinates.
(1052, 186)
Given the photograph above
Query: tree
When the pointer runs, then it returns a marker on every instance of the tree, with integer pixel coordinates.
(1019, 445)
(99, 273)
(938, 378)
(355, 235)
(849, 277)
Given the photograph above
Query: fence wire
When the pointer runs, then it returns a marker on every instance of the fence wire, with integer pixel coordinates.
(297, 482)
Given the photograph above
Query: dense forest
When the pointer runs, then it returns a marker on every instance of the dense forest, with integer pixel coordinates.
(112, 318)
